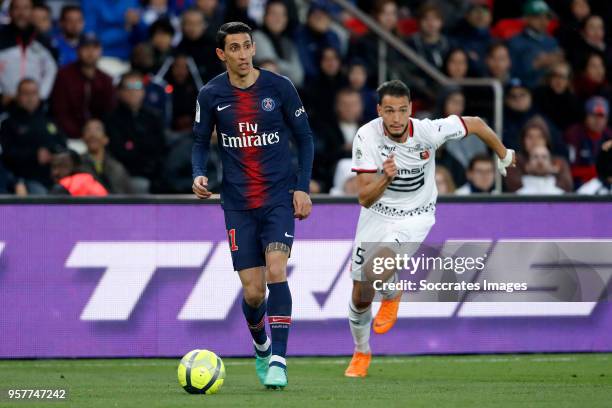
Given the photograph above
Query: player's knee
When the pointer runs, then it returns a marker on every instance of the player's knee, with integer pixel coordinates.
(277, 272)
(254, 295)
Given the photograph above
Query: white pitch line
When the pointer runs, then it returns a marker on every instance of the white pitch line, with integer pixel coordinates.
(300, 361)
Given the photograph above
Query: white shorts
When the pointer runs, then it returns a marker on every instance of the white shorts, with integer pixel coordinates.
(390, 233)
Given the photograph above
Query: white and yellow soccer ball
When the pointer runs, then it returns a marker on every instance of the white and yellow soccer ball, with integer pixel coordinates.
(201, 372)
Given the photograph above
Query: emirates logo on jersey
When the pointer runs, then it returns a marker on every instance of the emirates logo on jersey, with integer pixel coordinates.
(424, 155)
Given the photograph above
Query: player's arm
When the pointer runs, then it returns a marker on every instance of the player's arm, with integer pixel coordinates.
(371, 186)
(477, 126)
(295, 116)
(202, 129)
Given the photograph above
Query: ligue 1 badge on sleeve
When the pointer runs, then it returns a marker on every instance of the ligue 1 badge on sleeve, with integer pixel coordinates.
(358, 154)
(268, 104)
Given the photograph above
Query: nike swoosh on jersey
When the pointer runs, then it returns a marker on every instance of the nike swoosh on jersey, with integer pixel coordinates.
(220, 108)
(288, 236)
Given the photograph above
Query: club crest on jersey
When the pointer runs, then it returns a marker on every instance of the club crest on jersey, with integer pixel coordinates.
(268, 104)
(424, 155)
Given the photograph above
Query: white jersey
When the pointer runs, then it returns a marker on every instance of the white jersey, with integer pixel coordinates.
(413, 191)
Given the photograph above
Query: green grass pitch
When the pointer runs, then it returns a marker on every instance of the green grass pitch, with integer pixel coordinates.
(550, 380)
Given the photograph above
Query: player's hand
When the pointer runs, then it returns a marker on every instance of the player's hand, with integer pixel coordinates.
(507, 161)
(389, 167)
(302, 205)
(199, 187)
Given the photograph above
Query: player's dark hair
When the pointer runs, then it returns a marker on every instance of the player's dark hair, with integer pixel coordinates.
(480, 157)
(69, 9)
(393, 88)
(233, 27)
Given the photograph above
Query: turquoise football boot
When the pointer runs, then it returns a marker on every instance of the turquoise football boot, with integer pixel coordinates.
(261, 366)
(276, 378)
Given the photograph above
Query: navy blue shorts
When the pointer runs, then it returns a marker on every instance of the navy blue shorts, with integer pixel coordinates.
(250, 231)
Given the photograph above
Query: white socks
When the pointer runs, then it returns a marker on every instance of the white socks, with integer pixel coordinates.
(360, 321)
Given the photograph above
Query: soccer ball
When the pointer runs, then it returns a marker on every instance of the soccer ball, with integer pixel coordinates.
(201, 372)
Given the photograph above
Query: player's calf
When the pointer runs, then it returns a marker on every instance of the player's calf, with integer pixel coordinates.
(279, 304)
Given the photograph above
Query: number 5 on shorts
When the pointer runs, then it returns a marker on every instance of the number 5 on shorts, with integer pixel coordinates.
(232, 238)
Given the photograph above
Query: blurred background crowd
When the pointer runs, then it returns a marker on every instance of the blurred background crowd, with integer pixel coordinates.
(98, 96)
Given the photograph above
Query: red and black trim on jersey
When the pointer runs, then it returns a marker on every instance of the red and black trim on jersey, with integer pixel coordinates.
(464, 125)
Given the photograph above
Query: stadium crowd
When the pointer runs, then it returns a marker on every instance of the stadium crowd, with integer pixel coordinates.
(98, 96)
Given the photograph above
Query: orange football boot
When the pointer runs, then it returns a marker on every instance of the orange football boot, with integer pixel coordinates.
(387, 315)
(358, 367)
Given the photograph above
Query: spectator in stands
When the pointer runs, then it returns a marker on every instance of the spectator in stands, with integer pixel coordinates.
(345, 180)
(537, 133)
(214, 14)
(320, 95)
(456, 64)
(70, 179)
(454, 166)
(98, 162)
(592, 41)
(112, 21)
(82, 91)
(23, 54)
(592, 79)
(176, 177)
(313, 38)
(6, 180)
(556, 100)
(71, 24)
(42, 20)
(270, 65)
(150, 56)
(335, 139)
(480, 176)
(429, 42)
(534, 51)
(366, 47)
(28, 138)
(518, 109)
(572, 19)
(444, 180)
(273, 44)
(240, 10)
(452, 102)
(198, 45)
(357, 80)
(153, 10)
(540, 174)
(602, 184)
(184, 92)
(498, 62)
(136, 134)
(585, 139)
(474, 33)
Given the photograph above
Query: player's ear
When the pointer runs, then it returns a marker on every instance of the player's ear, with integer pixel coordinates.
(379, 109)
(220, 54)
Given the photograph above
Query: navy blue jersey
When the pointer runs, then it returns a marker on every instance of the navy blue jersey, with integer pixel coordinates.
(254, 126)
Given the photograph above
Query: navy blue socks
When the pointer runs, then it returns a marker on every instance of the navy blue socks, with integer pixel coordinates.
(279, 318)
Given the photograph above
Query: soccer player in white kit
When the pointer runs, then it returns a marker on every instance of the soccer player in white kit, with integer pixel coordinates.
(394, 158)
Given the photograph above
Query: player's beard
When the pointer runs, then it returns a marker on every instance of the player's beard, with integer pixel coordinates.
(396, 136)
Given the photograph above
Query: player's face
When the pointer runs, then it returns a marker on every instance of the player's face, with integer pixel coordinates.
(238, 53)
(395, 112)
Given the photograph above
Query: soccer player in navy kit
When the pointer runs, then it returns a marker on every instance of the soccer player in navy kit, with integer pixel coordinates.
(255, 113)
